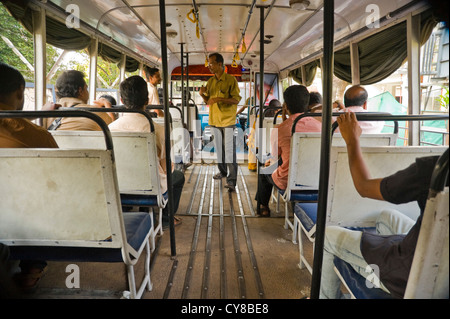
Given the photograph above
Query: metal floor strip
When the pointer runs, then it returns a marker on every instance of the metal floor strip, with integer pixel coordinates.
(191, 202)
(251, 252)
(187, 279)
(207, 262)
(237, 251)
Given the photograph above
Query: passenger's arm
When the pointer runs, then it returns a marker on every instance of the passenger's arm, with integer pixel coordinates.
(202, 93)
(102, 102)
(241, 109)
(364, 184)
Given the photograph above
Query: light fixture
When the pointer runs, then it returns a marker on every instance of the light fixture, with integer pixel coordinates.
(299, 5)
(171, 33)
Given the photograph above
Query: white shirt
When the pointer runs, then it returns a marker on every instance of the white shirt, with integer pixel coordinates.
(153, 96)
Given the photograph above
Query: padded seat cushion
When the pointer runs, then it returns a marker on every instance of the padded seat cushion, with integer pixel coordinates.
(307, 214)
(306, 195)
(137, 226)
(357, 283)
(140, 200)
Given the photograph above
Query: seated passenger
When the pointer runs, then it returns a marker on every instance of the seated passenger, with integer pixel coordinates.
(317, 108)
(315, 102)
(72, 91)
(273, 105)
(392, 247)
(21, 133)
(16, 132)
(338, 105)
(355, 100)
(110, 99)
(134, 95)
(296, 99)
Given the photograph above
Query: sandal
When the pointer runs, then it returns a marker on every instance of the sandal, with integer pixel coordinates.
(29, 281)
(264, 211)
(176, 222)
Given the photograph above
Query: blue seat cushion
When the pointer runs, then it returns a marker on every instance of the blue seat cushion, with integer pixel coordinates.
(140, 200)
(137, 226)
(304, 196)
(307, 214)
(357, 283)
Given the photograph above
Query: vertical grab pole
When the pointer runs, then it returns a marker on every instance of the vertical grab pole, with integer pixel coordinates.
(182, 81)
(188, 108)
(162, 14)
(40, 57)
(261, 101)
(328, 60)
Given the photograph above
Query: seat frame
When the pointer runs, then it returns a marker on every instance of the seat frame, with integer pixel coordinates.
(342, 212)
(136, 164)
(429, 275)
(304, 172)
(83, 185)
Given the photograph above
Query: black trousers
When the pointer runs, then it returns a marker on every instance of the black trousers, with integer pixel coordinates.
(264, 192)
(177, 186)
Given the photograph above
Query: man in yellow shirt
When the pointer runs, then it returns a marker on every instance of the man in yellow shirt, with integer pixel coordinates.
(222, 95)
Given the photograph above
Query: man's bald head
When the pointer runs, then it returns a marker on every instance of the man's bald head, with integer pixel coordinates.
(355, 96)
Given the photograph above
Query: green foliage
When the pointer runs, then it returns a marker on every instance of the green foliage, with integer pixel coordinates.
(443, 99)
(23, 41)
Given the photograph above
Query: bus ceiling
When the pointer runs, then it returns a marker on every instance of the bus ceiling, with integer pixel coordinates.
(293, 29)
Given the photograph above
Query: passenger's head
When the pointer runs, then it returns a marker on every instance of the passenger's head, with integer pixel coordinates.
(355, 96)
(315, 98)
(274, 103)
(12, 87)
(296, 98)
(152, 75)
(215, 62)
(134, 92)
(72, 84)
(110, 99)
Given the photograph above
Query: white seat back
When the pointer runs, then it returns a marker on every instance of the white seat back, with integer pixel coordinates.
(304, 159)
(54, 197)
(180, 140)
(135, 156)
(345, 206)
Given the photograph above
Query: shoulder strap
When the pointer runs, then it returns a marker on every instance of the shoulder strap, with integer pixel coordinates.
(57, 122)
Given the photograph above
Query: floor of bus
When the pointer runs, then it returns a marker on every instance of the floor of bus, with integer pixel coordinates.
(226, 253)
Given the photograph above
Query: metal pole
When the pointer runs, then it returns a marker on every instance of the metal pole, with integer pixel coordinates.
(261, 101)
(182, 81)
(328, 60)
(40, 57)
(162, 14)
(93, 59)
(188, 108)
